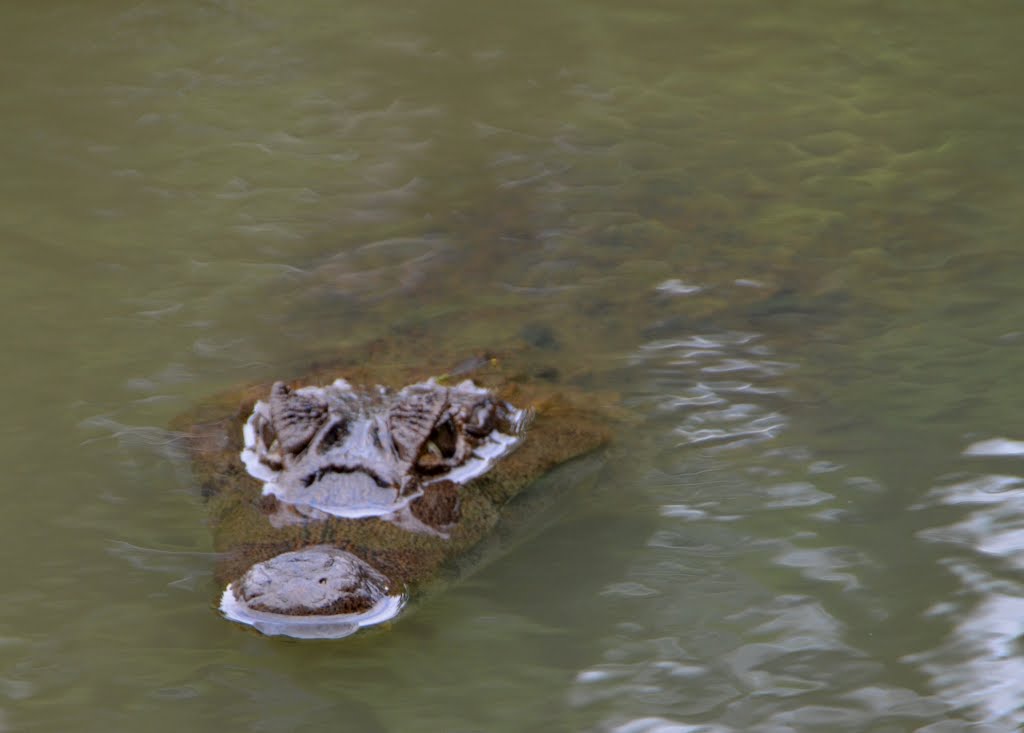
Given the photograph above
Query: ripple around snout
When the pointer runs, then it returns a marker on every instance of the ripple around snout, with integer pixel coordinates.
(336, 626)
(288, 594)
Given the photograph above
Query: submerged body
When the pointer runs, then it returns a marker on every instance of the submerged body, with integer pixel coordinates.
(333, 505)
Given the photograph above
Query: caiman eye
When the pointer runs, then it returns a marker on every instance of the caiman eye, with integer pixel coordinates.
(482, 420)
(445, 438)
(267, 434)
(439, 447)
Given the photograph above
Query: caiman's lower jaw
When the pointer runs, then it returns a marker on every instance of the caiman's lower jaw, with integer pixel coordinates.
(318, 592)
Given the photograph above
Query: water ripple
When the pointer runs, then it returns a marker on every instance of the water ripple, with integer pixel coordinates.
(995, 526)
(753, 604)
(978, 665)
(685, 379)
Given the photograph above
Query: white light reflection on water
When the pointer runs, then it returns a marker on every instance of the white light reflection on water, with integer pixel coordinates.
(996, 447)
(979, 665)
(995, 526)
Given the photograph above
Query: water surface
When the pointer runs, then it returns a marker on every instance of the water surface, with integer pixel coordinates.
(787, 237)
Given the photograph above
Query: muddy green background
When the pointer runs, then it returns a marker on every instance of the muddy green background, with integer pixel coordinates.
(789, 235)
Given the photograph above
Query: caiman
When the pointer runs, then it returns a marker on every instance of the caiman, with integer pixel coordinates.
(338, 497)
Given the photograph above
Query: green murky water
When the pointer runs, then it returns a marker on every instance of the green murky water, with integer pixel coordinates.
(790, 238)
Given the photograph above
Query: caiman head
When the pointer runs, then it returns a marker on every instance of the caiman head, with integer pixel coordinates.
(347, 459)
(349, 453)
